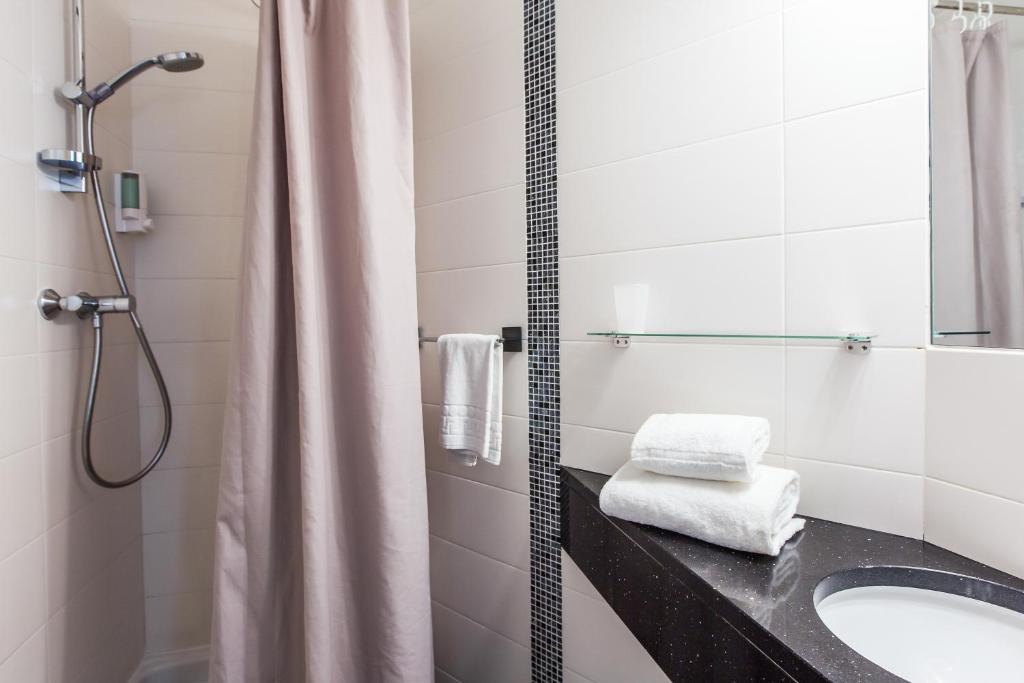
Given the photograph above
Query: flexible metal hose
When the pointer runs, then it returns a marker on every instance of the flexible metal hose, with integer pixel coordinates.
(97, 352)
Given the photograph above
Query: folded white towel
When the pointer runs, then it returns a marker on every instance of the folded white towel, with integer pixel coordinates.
(471, 375)
(722, 447)
(755, 516)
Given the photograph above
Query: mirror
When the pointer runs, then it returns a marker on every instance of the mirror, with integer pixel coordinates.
(977, 159)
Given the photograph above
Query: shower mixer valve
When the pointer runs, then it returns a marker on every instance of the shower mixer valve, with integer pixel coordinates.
(83, 304)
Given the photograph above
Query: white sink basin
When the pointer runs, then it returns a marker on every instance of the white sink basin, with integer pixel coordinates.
(926, 636)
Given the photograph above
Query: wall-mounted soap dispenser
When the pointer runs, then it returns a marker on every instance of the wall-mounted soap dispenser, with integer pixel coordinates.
(131, 213)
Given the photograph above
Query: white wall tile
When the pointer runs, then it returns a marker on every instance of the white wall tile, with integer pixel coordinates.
(19, 410)
(513, 472)
(595, 450)
(195, 310)
(17, 235)
(442, 677)
(456, 27)
(223, 13)
(480, 230)
(28, 663)
(980, 526)
(745, 275)
(597, 644)
(21, 500)
(871, 280)
(16, 133)
(193, 183)
(478, 157)
(861, 165)
(489, 298)
(874, 499)
(596, 37)
(18, 307)
(836, 57)
(973, 397)
(180, 499)
(856, 410)
(190, 247)
(631, 112)
(178, 561)
(682, 196)
(477, 84)
(472, 652)
(16, 34)
(573, 577)
(485, 590)
(23, 595)
(230, 54)
(489, 520)
(194, 373)
(618, 389)
(177, 622)
(195, 438)
(192, 120)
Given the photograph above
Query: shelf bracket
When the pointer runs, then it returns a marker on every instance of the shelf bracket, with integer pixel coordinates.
(857, 345)
(621, 341)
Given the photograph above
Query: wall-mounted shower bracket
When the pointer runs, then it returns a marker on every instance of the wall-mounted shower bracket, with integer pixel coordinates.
(83, 304)
(70, 166)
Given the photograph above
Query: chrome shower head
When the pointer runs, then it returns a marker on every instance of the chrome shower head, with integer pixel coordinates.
(177, 62)
(174, 62)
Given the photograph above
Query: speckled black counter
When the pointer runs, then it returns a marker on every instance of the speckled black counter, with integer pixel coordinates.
(707, 613)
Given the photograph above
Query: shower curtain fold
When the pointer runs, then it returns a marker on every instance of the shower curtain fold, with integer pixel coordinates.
(321, 565)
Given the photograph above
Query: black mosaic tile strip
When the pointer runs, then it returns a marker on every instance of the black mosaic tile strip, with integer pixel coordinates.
(543, 351)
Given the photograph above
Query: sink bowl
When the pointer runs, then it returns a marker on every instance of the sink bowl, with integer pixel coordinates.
(926, 626)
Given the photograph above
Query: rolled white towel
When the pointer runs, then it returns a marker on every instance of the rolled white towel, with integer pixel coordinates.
(754, 516)
(719, 447)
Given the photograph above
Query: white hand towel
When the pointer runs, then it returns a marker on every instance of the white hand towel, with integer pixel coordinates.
(722, 447)
(471, 374)
(754, 516)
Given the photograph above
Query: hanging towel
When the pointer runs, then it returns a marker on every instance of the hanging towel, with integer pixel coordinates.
(754, 516)
(722, 447)
(471, 374)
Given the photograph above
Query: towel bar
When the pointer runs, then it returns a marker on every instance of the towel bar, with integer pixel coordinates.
(511, 339)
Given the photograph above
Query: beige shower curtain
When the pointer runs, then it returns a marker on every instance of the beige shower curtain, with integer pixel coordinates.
(976, 213)
(321, 543)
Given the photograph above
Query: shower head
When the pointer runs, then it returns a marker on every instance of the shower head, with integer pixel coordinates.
(175, 62)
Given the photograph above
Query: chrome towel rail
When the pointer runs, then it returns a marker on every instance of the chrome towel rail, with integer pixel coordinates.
(511, 339)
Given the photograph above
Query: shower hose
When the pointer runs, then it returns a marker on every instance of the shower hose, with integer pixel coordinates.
(97, 349)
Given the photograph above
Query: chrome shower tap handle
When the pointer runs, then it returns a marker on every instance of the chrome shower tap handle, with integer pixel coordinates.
(83, 304)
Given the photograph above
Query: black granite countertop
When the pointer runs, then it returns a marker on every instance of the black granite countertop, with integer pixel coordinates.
(770, 600)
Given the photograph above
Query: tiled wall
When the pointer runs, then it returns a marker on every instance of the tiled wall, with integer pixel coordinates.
(764, 167)
(70, 553)
(191, 139)
(471, 259)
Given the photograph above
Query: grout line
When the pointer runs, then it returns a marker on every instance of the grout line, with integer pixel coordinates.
(184, 24)
(486, 628)
(868, 468)
(974, 490)
(465, 268)
(428, 205)
(478, 483)
(503, 112)
(480, 554)
(685, 245)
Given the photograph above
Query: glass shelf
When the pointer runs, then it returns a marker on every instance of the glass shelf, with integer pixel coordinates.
(958, 334)
(858, 343)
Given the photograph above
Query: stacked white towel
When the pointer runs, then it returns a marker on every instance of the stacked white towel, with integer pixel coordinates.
(471, 375)
(718, 447)
(755, 516)
(701, 475)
